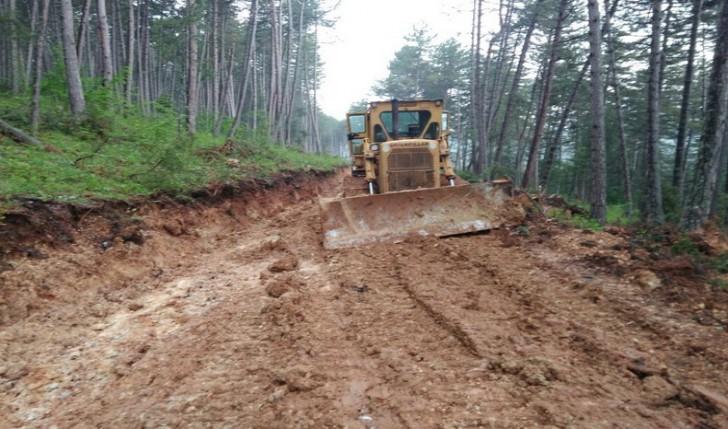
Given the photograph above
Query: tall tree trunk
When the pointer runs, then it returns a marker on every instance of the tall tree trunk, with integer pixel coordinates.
(513, 95)
(622, 149)
(598, 148)
(678, 175)
(248, 62)
(477, 119)
(712, 142)
(653, 204)
(103, 23)
(192, 70)
(14, 50)
(83, 30)
(32, 42)
(73, 76)
(555, 143)
(38, 70)
(531, 165)
(130, 54)
(215, 59)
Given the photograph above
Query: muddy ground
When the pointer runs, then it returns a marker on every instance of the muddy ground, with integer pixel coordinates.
(231, 314)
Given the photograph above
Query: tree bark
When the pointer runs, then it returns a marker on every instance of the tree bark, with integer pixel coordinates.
(551, 149)
(17, 134)
(73, 76)
(38, 70)
(707, 170)
(16, 74)
(82, 30)
(130, 54)
(678, 176)
(514, 86)
(598, 148)
(249, 59)
(531, 165)
(103, 24)
(653, 207)
(624, 166)
(192, 68)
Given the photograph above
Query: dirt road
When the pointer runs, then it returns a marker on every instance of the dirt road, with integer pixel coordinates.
(233, 315)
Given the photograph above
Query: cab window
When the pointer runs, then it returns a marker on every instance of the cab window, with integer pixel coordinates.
(379, 135)
(433, 131)
(411, 123)
(357, 124)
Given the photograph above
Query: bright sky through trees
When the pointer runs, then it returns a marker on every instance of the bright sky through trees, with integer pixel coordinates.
(357, 50)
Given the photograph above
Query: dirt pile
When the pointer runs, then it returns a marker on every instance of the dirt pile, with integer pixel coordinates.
(233, 315)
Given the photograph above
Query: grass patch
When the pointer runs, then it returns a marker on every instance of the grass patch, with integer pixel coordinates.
(115, 156)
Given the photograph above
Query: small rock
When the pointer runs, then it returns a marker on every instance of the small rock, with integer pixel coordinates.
(658, 390)
(648, 279)
(173, 228)
(134, 306)
(298, 379)
(288, 263)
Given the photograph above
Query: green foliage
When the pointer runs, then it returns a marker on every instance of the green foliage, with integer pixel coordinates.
(575, 220)
(685, 246)
(117, 154)
(468, 176)
(719, 283)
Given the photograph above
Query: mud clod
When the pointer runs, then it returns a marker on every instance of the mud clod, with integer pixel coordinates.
(287, 263)
(276, 287)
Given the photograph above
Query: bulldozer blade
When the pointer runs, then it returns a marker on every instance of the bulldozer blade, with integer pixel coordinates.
(440, 212)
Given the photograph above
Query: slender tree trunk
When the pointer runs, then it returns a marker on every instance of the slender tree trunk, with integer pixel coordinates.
(555, 144)
(678, 176)
(249, 61)
(38, 70)
(622, 149)
(477, 120)
(32, 42)
(653, 207)
(14, 50)
(192, 71)
(130, 54)
(531, 165)
(514, 86)
(73, 76)
(712, 142)
(82, 30)
(103, 23)
(598, 147)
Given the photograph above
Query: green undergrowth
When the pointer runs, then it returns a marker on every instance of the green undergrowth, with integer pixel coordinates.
(117, 154)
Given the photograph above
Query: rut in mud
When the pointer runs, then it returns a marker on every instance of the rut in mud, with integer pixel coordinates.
(233, 315)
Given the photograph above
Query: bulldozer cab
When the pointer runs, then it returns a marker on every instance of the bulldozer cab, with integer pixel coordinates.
(400, 145)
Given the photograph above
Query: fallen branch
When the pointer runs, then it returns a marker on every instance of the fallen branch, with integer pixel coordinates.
(18, 135)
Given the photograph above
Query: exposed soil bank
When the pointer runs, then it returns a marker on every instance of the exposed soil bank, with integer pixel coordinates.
(231, 314)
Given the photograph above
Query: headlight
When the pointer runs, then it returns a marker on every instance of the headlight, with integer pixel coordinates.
(374, 147)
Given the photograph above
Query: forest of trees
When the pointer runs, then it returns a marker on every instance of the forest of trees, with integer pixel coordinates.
(220, 64)
(616, 103)
(643, 130)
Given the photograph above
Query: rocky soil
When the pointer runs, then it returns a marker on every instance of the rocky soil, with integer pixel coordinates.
(231, 314)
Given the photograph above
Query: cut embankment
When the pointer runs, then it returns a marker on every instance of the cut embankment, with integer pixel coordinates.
(54, 252)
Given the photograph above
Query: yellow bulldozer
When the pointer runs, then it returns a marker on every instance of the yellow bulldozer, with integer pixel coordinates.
(402, 180)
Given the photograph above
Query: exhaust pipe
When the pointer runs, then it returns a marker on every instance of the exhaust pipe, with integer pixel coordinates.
(395, 119)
